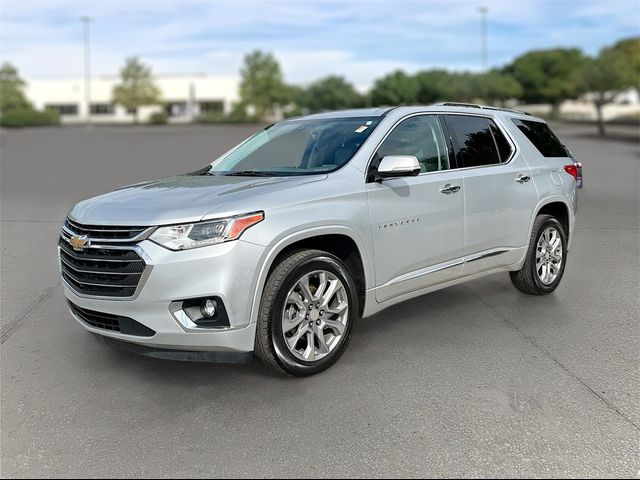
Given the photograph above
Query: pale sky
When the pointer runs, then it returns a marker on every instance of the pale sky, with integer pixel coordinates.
(361, 40)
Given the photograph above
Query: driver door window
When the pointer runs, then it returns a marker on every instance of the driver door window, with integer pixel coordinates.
(420, 136)
(414, 213)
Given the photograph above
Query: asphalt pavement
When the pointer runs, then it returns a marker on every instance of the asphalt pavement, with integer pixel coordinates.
(477, 380)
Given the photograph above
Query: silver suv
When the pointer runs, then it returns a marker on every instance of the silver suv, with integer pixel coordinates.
(281, 244)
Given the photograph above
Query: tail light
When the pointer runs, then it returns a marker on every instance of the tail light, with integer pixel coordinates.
(572, 170)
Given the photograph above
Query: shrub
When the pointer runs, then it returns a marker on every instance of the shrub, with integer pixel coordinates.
(211, 117)
(29, 117)
(158, 118)
(238, 114)
(295, 112)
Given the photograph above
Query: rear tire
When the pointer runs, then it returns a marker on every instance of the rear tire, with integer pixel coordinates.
(308, 309)
(546, 258)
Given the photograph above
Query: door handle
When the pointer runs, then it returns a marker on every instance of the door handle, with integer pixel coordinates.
(523, 178)
(448, 188)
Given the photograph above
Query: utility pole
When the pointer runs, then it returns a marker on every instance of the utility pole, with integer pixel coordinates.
(484, 53)
(86, 21)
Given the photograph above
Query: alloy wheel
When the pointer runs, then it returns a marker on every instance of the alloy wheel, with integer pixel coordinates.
(315, 315)
(549, 254)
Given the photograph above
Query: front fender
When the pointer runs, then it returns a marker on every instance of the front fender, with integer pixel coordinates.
(289, 238)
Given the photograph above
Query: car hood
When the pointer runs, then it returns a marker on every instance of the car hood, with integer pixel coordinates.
(184, 198)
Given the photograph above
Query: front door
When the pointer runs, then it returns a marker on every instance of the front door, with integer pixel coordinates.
(418, 222)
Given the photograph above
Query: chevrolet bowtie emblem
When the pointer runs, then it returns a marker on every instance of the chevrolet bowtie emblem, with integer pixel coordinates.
(79, 242)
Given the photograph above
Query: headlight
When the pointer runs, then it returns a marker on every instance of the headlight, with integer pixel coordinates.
(201, 234)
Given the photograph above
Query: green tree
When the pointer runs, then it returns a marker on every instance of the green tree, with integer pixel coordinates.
(136, 88)
(262, 84)
(629, 49)
(11, 90)
(548, 76)
(492, 87)
(495, 87)
(396, 88)
(330, 93)
(462, 87)
(297, 99)
(433, 86)
(604, 77)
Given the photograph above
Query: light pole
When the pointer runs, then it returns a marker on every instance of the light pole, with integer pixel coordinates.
(86, 21)
(484, 53)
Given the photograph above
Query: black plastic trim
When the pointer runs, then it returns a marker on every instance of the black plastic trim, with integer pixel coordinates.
(180, 355)
(111, 322)
(192, 308)
(451, 146)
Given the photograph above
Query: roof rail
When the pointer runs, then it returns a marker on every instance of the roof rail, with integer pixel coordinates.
(512, 110)
(483, 107)
(458, 104)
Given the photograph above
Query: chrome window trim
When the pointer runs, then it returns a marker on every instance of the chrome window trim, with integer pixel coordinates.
(496, 120)
(393, 127)
(507, 135)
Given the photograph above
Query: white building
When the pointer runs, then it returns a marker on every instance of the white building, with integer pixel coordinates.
(183, 98)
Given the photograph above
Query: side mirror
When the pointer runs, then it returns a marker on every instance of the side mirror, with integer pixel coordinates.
(393, 166)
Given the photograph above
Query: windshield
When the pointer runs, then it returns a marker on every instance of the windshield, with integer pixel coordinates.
(298, 147)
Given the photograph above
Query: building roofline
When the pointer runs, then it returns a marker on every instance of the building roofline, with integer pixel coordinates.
(155, 76)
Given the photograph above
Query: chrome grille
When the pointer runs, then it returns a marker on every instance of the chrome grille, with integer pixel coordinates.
(105, 232)
(109, 266)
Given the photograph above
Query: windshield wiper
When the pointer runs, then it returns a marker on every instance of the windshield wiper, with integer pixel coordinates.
(251, 173)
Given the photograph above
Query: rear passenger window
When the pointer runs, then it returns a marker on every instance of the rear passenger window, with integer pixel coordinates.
(475, 144)
(542, 137)
(504, 147)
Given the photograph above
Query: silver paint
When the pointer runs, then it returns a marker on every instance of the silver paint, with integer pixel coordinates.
(412, 237)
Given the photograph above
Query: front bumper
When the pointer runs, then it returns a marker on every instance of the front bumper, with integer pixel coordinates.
(180, 355)
(228, 271)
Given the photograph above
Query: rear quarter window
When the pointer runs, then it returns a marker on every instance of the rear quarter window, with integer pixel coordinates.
(541, 136)
(504, 147)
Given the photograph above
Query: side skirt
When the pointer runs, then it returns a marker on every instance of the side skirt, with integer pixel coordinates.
(372, 306)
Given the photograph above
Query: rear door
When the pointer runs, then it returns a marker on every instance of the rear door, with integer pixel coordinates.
(418, 222)
(499, 194)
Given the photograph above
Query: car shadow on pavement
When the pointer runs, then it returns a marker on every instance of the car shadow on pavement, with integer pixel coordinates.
(407, 328)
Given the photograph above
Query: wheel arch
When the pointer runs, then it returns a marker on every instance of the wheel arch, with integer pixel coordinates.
(558, 207)
(341, 241)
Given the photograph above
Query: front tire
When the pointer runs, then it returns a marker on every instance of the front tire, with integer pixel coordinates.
(546, 258)
(308, 309)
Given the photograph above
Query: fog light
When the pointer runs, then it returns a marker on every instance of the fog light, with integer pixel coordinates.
(208, 308)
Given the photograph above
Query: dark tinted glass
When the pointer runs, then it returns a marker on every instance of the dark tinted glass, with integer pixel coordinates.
(475, 141)
(542, 137)
(504, 147)
(421, 137)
